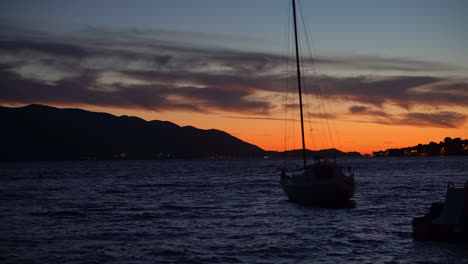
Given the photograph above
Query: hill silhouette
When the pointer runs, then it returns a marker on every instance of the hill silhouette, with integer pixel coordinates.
(38, 132)
(324, 153)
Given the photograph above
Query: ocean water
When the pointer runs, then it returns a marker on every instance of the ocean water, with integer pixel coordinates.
(217, 211)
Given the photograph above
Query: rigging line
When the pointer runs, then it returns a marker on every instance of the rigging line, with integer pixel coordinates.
(306, 97)
(293, 110)
(290, 90)
(302, 70)
(304, 155)
(306, 86)
(315, 75)
(294, 81)
(286, 81)
(318, 85)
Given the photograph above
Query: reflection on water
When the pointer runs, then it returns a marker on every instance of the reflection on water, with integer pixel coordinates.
(217, 211)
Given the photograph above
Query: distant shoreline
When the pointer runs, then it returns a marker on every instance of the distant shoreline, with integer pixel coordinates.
(448, 147)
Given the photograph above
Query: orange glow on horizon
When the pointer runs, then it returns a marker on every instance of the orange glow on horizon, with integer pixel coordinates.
(267, 133)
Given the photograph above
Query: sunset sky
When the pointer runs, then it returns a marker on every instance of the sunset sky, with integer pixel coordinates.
(391, 73)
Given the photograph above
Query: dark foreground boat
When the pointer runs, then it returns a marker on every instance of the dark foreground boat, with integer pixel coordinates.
(321, 183)
(445, 221)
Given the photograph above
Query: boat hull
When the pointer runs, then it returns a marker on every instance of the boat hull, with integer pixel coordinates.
(446, 221)
(318, 185)
(424, 229)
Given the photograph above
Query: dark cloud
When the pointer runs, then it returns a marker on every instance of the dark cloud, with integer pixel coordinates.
(60, 49)
(363, 110)
(152, 37)
(444, 119)
(86, 90)
(357, 109)
(447, 119)
(399, 90)
(82, 89)
(306, 121)
(215, 79)
(228, 99)
(166, 71)
(320, 114)
(254, 118)
(378, 63)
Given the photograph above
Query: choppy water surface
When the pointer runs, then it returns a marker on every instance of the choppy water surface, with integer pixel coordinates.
(216, 211)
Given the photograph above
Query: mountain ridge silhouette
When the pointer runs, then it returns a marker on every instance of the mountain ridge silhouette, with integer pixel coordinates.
(39, 132)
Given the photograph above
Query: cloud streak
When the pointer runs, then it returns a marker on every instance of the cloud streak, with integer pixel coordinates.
(444, 119)
(400, 90)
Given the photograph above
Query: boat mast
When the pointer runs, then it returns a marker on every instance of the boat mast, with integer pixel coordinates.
(299, 82)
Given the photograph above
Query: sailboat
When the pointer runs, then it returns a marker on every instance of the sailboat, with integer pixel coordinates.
(324, 181)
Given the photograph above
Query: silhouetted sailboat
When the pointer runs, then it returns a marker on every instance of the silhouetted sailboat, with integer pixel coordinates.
(323, 181)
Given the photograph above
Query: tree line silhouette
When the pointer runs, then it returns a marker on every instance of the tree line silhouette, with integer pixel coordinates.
(448, 147)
